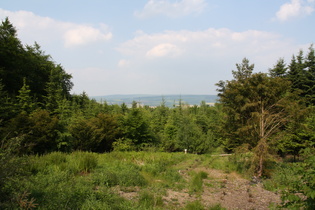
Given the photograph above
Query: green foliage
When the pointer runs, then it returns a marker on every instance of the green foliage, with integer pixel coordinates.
(149, 200)
(242, 159)
(195, 205)
(96, 134)
(258, 115)
(301, 74)
(12, 172)
(295, 182)
(257, 107)
(136, 127)
(279, 70)
(6, 106)
(38, 130)
(118, 173)
(25, 102)
(30, 62)
(196, 185)
(123, 145)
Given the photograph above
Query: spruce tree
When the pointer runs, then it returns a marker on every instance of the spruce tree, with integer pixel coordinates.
(279, 70)
(24, 99)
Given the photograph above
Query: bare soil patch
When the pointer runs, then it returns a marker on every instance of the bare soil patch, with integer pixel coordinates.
(229, 190)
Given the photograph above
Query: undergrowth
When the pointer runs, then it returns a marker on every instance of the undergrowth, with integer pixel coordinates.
(85, 180)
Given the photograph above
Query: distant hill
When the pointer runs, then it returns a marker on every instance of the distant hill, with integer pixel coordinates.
(156, 100)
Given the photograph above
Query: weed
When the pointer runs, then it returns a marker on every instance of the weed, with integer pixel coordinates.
(216, 207)
(25, 202)
(119, 173)
(197, 182)
(195, 205)
(149, 200)
(82, 162)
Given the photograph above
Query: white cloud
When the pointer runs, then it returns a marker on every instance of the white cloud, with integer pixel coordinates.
(123, 63)
(44, 29)
(200, 58)
(202, 43)
(208, 47)
(176, 9)
(81, 35)
(295, 8)
(164, 49)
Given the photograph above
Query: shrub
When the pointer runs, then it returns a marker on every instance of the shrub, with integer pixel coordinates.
(123, 145)
(300, 192)
(12, 171)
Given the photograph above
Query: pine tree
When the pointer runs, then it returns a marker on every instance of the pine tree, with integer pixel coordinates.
(6, 107)
(11, 53)
(310, 75)
(24, 99)
(279, 70)
(244, 70)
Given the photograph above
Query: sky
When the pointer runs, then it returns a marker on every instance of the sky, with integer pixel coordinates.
(161, 47)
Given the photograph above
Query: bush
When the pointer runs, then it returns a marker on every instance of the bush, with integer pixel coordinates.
(13, 170)
(299, 193)
(123, 145)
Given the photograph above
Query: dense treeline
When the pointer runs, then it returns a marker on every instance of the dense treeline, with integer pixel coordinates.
(38, 109)
(266, 113)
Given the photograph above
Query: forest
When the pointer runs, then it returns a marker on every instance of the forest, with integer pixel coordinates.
(264, 121)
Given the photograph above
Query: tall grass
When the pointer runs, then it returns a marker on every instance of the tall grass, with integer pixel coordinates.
(196, 185)
(84, 180)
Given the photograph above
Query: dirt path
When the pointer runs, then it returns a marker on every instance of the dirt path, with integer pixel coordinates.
(229, 190)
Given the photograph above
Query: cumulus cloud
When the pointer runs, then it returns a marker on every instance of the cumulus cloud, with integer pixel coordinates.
(207, 46)
(45, 29)
(295, 8)
(82, 34)
(163, 50)
(211, 41)
(167, 8)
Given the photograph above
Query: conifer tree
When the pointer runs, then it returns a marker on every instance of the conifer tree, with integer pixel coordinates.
(279, 70)
(11, 53)
(310, 71)
(25, 101)
(256, 107)
(6, 107)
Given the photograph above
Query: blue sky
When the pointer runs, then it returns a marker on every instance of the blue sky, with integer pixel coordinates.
(161, 46)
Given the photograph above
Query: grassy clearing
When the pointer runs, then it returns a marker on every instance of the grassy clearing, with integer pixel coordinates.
(117, 180)
(83, 180)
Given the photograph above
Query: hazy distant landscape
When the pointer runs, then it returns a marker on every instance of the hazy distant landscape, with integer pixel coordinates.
(156, 100)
